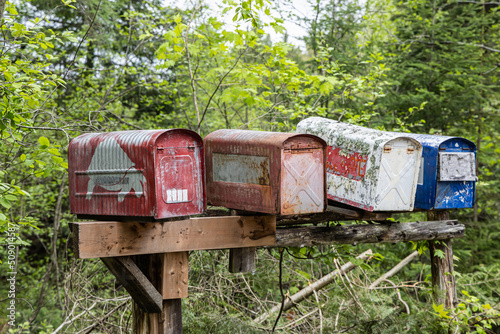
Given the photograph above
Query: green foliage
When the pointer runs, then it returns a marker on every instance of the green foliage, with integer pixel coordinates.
(78, 66)
(470, 316)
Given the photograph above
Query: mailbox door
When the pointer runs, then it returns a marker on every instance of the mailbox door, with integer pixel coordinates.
(398, 175)
(180, 177)
(456, 174)
(302, 178)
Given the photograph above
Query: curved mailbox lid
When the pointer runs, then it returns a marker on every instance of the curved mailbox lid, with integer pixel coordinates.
(253, 170)
(370, 169)
(113, 173)
(448, 172)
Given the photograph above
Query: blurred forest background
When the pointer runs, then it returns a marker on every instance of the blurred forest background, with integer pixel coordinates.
(70, 67)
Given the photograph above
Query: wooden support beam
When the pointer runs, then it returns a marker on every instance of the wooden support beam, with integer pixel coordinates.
(169, 320)
(135, 282)
(242, 260)
(108, 239)
(369, 233)
(443, 279)
(174, 276)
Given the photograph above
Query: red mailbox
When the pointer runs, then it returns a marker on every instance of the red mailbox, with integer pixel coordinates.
(269, 172)
(152, 173)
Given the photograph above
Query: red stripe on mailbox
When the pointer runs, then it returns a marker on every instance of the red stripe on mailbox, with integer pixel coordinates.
(347, 164)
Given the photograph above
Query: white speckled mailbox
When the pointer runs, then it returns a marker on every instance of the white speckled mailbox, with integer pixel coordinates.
(366, 168)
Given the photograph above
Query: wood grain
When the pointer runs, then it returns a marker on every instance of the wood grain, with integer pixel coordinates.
(108, 239)
(175, 267)
(242, 260)
(135, 282)
(443, 280)
(369, 233)
(169, 320)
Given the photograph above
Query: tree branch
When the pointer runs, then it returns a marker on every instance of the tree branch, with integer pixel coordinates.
(217, 87)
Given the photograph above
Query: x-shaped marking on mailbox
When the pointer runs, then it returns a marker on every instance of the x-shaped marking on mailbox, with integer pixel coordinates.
(304, 185)
(394, 181)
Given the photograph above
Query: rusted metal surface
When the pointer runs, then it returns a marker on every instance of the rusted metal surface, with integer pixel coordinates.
(447, 178)
(150, 173)
(369, 169)
(269, 172)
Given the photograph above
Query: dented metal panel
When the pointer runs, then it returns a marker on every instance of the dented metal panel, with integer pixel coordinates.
(277, 173)
(448, 174)
(150, 173)
(366, 168)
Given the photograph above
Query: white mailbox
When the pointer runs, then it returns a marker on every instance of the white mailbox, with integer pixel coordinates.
(366, 168)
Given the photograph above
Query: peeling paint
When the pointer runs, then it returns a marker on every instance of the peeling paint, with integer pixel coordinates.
(269, 172)
(448, 173)
(367, 177)
(148, 173)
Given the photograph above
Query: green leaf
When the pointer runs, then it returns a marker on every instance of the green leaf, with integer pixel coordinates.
(5, 203)
(177, 18)
(439, 309)
(11, 197)
(303, 273)
(439, 253)
(44, 142)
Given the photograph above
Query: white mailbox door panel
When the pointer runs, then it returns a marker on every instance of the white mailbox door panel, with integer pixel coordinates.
(398, 175)
(302, 182)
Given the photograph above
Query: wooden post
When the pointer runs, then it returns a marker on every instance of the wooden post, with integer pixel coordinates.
(242, 260)
(443, 280)
(168, 273)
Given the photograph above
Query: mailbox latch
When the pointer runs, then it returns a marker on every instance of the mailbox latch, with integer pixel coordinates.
(299, 149)
(387, 149)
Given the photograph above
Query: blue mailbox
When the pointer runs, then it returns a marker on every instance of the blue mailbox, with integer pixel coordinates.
(447, 177)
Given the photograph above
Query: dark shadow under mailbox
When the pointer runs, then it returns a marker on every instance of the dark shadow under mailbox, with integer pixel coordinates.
(269, 172)
(149, 173)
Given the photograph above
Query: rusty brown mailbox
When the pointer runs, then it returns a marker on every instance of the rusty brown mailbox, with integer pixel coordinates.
(269, 172)
(148, 173)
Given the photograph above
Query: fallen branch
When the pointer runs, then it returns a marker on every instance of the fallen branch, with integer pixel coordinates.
(394, 270)
(318, 285)
(100, 320)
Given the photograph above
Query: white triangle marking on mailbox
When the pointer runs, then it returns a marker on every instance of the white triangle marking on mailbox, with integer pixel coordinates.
(112, 169)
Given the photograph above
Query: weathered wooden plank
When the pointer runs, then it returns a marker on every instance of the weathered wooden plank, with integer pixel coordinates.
(443, 280)
(108, 239)
(370, 233)
(169, 319)
(174, 280)
(135, 282)
(242, 260)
